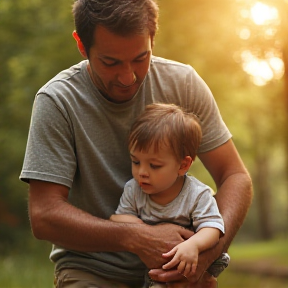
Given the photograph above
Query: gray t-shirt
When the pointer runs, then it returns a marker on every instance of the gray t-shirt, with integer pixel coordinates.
(194, 207)
(78, 138)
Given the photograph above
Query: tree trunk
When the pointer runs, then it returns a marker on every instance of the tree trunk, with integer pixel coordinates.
(263, 195)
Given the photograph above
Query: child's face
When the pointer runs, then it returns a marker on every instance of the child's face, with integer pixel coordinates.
(157, 173)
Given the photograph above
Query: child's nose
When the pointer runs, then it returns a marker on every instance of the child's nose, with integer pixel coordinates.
(143, 172)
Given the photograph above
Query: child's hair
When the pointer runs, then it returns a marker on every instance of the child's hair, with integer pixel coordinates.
(166, 124)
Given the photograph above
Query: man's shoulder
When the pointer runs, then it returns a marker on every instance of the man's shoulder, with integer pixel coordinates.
(159, 62)
(63, 78)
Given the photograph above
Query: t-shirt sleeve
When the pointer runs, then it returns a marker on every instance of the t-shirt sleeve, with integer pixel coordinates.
(127, 204)
(50, 152)
(201, 102)
(206, 212)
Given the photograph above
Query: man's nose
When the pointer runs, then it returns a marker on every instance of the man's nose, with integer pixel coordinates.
(127, 76)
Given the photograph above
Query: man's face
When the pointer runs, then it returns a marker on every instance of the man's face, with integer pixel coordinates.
(116, 61)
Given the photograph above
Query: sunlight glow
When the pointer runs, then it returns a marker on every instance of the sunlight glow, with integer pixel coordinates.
(262, 70)
(265, 24)
(262, 14)
(245, 34)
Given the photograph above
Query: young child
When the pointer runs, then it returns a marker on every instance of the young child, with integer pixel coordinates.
(163, 143)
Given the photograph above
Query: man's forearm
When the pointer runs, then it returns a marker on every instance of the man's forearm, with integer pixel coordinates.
(234, 199)
(77, 230)
(54, 219)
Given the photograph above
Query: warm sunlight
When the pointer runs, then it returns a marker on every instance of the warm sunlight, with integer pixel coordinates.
(271, 66)
(262, 70)
(262, 14)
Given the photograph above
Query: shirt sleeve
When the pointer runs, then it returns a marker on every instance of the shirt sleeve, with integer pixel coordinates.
(50, 154)
(201, 102)
(206, 212)
(127, 204)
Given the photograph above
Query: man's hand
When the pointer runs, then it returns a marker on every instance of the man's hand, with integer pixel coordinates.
(204, 261)
(153, 241)
(206, 281)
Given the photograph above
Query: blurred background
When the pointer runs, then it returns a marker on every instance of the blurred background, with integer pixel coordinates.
(239, 47)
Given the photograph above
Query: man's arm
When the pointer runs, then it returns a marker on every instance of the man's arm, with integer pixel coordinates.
(234, 196)
(234, 188)
(54, 219)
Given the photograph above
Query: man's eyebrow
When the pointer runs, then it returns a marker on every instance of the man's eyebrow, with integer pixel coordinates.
(117, 60)
(142, 54)
(108, 58)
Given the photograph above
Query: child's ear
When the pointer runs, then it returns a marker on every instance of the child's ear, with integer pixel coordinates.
(185, 165)
(80, 45)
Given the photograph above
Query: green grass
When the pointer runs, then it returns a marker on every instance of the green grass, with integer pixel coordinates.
(240, 280)
(276, 250)
(27, 269)
(31, 268)
(273, 252)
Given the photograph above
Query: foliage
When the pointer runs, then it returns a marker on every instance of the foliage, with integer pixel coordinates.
(36, 44)
(28, 267)
(272, 253)
(234, 279)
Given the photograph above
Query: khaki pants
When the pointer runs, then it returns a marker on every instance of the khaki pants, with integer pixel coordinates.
(73, 278)
(207, 281)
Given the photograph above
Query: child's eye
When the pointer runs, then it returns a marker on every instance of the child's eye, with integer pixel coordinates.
(136, 162)
(153, 166)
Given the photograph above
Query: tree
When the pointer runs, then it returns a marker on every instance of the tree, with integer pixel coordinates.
(264, 57)
(35, 45)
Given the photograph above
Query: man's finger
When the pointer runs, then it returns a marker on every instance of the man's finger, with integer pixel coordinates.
(165, 276)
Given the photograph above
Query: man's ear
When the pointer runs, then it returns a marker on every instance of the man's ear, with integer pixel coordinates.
(185, 165)
(80, 45)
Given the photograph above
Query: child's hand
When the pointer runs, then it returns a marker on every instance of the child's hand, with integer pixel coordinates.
(185, 258)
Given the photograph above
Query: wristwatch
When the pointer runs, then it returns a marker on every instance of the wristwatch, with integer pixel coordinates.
(219, 265)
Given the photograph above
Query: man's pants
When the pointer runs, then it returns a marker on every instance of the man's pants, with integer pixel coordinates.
(73, 278)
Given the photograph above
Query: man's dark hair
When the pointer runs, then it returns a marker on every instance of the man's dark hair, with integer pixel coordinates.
(122, 17)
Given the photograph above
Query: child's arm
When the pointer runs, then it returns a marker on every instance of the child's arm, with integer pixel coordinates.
(185, 254)
(128, 218)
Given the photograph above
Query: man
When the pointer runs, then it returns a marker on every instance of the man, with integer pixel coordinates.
(77, 159)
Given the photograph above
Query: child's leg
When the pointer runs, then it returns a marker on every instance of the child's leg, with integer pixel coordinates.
(219, 265)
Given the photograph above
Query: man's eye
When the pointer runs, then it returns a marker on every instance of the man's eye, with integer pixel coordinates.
(141, 59)
(110, 63)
